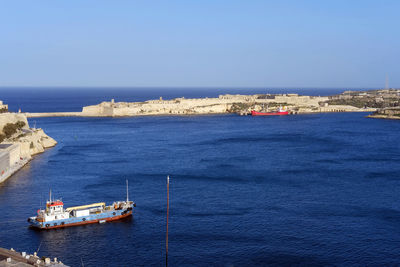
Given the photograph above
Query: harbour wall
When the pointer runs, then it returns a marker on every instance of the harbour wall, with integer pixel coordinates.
(52, 114)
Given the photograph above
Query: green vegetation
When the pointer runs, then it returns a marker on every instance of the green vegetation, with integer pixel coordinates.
(11, 128)
(20, 124)
(361, 102)
(240, 107)
(276, 104)
(3, 110)
(2, 137)
(237, 107)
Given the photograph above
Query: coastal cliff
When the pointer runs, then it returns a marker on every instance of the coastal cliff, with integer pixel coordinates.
(19, 142)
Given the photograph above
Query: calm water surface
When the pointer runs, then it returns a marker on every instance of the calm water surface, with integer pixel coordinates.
(318, 189)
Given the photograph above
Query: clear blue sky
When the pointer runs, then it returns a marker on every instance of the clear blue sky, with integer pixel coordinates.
(332, 43)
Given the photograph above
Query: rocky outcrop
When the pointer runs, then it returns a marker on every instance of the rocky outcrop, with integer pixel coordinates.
(19, 143)
(386, 113)
(34, 142)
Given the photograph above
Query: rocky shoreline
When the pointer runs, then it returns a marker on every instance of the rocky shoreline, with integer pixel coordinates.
(19, 143)
(383, 117)
(386, 113)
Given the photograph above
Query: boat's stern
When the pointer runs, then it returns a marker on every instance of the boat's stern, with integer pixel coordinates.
(126, 207)
(130, 206)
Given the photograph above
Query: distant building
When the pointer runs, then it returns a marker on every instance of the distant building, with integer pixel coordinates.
(4, 162)
(3, 106)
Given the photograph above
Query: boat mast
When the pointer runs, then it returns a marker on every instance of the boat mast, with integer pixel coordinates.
(50, 195)
(127, 193)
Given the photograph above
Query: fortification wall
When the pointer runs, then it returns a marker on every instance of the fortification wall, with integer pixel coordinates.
(14, 151)
(4, 162)
(91, 110)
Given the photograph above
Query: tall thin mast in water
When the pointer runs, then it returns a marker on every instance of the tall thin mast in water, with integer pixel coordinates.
(166, 241)
(127, 193)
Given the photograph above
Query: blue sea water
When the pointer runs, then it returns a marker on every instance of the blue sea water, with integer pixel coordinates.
(308, 190)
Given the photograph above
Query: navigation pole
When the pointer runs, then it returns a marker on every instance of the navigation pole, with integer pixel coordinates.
(166, 240)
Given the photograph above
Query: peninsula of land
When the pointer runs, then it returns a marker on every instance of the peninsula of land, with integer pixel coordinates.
(18, 142)
(386, 113)
(386, 102)
(348, 101)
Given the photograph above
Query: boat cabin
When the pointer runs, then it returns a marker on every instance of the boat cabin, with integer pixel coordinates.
(54, 211)
(54, 207)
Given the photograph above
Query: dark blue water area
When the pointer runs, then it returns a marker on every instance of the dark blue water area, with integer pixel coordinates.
(73, 99)
(305, 190)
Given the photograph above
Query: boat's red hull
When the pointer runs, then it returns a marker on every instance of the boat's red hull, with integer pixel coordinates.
(278, 113)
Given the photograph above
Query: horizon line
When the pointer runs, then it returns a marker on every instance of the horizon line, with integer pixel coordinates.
(184, 87)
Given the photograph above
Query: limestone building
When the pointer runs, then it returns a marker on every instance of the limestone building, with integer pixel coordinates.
(10, 155)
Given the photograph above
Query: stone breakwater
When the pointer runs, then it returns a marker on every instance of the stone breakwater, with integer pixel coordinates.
(53, 114)
(241, 104)
(18, 148)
